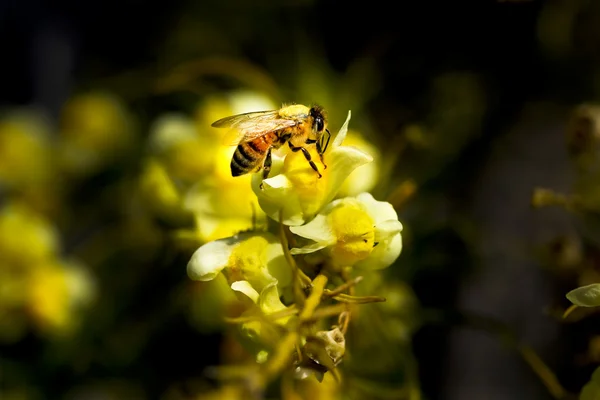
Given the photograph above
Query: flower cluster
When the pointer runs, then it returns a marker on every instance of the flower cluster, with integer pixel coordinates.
(38, 288)
(294, 279)
(41, 289)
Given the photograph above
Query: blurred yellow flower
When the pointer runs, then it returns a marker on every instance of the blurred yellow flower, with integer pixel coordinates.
(55, 291)
(95, 128)
(25, 237)
(187, 153)
(158, 190)
(25, 149)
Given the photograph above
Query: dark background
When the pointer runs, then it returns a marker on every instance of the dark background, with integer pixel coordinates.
(53, 49)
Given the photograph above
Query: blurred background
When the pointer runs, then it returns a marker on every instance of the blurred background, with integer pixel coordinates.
(467, 107)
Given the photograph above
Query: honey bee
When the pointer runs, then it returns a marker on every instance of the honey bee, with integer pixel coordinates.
(258, 133)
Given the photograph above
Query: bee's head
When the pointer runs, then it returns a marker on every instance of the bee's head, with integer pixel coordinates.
(319, 119)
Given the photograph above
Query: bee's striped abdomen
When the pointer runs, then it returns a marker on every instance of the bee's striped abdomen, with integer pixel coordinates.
(249, 156)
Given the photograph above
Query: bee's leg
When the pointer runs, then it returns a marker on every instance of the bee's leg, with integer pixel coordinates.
(322, 149)
(307, 156)
(266, 166)
(319, 150)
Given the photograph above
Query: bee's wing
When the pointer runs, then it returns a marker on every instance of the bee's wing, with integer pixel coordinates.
(235, 120)
(249, 126)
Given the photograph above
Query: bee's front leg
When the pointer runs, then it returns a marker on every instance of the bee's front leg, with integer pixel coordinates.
(321, 151)
(307, 156)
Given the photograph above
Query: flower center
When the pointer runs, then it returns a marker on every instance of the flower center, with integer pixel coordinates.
(247, 262)
(355, 234)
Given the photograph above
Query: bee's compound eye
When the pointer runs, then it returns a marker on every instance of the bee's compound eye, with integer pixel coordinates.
(319, 124)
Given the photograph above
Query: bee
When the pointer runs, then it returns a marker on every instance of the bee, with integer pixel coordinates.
(258, 133)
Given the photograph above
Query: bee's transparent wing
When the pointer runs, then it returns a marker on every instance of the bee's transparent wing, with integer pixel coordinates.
(249, 126)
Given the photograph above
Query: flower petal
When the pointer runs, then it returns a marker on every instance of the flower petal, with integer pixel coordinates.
(378, 210)
(342, 161)
(208, 260)
(339, 138)
(277, 194)
(269, 301)
(246, 288)
(277, 264)
(311, 248)
(383, 255)
(387, 228)
(318, 229)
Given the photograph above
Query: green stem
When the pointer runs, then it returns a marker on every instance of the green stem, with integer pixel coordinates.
(314, 299)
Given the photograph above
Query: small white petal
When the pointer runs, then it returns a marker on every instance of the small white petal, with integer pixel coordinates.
(210, 259)
(246, 288)
(339, 138)
(277, 182)
(387, 228)
(278, 193)
(318, 229)
(276, 166)
(311, 248)
(269, 301)
(380, 211)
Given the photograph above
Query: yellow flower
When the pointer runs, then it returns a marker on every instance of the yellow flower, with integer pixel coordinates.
(250, 261)
(25, 237)
(360, 232)
(158, 190)
(25, 149)
(95, 128)
(255, 268)
(188, 154)
(296, 190)
(55, 291)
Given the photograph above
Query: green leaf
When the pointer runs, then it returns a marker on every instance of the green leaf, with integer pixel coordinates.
(585, 296)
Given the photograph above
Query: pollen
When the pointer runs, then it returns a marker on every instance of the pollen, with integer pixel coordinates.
(355, 233)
